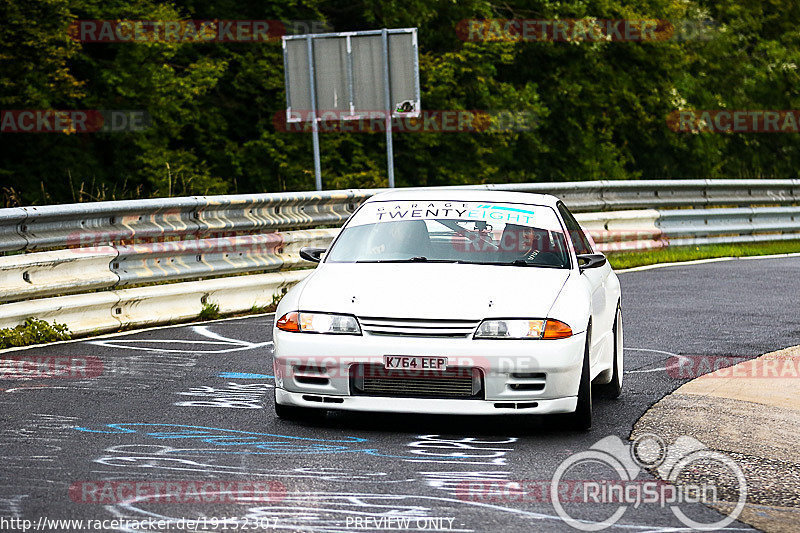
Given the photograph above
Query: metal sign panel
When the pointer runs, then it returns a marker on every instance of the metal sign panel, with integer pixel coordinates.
(344, 76)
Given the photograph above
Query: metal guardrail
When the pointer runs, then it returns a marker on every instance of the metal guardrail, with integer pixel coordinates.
(40, 274)
(711, 226)
(110, 310)
(112, 246)
(37, 228)
(92, 224)
(78, 270)
(11, 221)
(147, 263)
(643, 229)
(739, 221)
(617, 231)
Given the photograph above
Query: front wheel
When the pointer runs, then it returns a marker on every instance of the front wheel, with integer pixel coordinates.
(613, 389)
(581, 419)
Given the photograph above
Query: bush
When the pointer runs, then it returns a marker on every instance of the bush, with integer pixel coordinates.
(33, 331)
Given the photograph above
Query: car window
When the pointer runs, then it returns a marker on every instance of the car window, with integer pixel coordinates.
(463, 232)
(579, 239)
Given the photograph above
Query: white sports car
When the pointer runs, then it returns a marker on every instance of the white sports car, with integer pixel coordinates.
(452, 302)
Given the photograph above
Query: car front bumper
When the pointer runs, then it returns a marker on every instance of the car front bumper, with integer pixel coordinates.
(432, 406)
(518, 376)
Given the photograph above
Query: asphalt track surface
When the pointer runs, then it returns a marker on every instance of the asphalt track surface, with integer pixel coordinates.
(192, 403)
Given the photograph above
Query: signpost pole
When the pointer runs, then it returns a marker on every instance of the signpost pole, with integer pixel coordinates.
(388, 106)
(314, 122)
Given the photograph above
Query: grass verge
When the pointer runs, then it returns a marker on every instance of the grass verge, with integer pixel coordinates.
(676, 254)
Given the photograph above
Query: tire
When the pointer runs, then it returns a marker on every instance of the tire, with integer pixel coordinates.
(581, 419)
(613, 389)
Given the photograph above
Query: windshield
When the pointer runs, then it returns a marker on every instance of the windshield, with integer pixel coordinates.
(457, 232)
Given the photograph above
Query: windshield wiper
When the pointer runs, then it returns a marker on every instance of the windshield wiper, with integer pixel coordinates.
(423, 259)
(515, 262)
(415, 259)
(522, 262)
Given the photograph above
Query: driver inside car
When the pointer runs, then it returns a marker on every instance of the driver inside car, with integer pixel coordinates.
(401, 239)
(532, 245)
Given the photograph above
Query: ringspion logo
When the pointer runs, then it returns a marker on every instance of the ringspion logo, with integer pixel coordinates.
(621, 464)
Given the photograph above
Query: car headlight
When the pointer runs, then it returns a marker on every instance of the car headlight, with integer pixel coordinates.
(301, 321)
(522, 329)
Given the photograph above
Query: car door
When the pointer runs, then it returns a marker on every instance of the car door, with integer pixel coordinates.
(595, 278)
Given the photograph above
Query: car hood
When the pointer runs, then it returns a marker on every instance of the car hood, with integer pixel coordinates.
(431, 291)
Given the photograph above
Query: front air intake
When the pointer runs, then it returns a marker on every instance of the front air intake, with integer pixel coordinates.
(375, 380)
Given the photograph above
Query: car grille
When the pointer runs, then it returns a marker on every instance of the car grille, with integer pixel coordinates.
(412, 327)
(375, 380)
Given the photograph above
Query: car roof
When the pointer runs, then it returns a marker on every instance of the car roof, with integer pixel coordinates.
(458, 194)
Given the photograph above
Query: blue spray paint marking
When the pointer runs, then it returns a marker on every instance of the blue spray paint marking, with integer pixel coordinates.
(244, 375)
(248, 442)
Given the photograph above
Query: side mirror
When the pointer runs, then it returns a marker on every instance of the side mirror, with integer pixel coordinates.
(591, 261)
(312, 254)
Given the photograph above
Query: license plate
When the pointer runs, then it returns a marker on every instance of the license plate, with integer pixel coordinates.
(392, 362)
